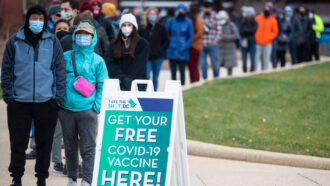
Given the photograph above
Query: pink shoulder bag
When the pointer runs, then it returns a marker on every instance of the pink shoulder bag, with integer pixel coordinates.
(80, 83)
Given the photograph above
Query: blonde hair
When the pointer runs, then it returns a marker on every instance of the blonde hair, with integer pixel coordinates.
(146, 13)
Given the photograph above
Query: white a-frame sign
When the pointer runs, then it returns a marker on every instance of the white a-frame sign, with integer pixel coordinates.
(141, 137)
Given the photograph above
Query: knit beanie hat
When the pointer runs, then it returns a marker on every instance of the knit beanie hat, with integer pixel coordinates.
(54, 7)
(85, 6)
(128, 18)
(109, 9)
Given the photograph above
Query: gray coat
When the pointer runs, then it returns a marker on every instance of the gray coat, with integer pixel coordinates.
(227, 46)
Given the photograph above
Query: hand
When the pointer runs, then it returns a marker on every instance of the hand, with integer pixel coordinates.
(222, 36)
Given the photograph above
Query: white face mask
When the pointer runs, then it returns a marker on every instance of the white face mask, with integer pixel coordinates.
(311, 16)
(126, 30)
(223, 21)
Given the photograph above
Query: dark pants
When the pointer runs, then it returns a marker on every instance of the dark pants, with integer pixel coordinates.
(182, 65)
(281, 57)
(193, 64)
(20, 116)
(315, 50)
(293, 53)
(304, 53)
(82, 124)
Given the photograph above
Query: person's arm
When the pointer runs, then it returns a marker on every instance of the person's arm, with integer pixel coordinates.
(101, 75)
(7, 71)
(165, 38)
(274, 30)
(190, 34)
(112, 65)
(104, 41)
(60, 68)
(199, 29)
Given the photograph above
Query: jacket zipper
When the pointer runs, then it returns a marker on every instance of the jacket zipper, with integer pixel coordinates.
(177, 40)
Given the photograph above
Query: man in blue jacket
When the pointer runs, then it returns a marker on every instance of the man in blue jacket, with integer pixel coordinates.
(33, 84)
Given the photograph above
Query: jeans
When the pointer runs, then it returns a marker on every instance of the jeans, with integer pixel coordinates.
(263, 52)
(20, 116)
(82, 124)
(57, 144)
(182, 67)
(193, 64)
(213, 51)
(154, 65)
(274, 54)
(252, 50)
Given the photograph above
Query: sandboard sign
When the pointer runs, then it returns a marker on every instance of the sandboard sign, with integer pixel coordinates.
(141, 137)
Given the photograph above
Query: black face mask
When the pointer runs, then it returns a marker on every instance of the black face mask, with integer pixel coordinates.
(181, 15)
(302, 14)
(266, 13)
(61, 34)
(207, 13)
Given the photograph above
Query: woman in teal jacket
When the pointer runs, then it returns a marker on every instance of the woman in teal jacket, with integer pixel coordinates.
(78, 115)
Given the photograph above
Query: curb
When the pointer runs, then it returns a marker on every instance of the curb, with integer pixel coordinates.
(232, 153)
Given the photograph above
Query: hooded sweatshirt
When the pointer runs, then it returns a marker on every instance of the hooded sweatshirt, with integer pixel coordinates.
(33, 67)
(89, 65)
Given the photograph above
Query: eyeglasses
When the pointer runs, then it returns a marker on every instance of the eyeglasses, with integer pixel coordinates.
(58, 15)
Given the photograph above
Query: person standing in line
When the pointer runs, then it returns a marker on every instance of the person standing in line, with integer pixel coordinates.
(54, 14)
(284, 35)
(227, 43)
(69, 10)
(181, 33)
(157, 37)
(266, 32)
(211, 36)
(128, 54)
(109, 10)
(296, 32)
(33, 84)
(247, 30)
(304, 53)
(196, 45)
(78, 113)
(318, 28)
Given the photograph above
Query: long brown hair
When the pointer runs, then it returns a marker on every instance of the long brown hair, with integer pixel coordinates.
(119, 45)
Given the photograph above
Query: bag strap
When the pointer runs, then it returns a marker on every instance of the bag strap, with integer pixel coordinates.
(74, 64)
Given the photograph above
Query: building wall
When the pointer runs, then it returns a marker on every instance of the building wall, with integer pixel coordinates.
(11, 12)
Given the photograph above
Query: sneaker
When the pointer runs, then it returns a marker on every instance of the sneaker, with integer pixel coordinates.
(31, 155)
(16, 183)
(85, 183)
(71, 182)
(58, 168)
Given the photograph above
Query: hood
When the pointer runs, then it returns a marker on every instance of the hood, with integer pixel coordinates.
(181, 6)
(32, 10)
(84, 50)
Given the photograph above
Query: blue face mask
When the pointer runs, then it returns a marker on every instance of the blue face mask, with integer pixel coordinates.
(36, 26)
(54, 21)
(152, 17)
(83, 39)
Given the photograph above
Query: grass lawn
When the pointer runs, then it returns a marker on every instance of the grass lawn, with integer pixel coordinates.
(281, 112)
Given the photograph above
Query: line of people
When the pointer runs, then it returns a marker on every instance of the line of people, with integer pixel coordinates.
(48, 60)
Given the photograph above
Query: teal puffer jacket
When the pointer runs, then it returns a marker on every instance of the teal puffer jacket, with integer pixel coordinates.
(92, 67)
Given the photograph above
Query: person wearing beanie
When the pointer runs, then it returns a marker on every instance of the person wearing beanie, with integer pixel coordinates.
(109, 10)
(247, 30)
(181, 34)
(33, 66)
(157, 36)
(54, 14)
(98, 16)
(128, 54)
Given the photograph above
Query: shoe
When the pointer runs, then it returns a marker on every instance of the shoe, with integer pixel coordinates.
(41, 182)
(244, 69)
(58, 168)
(252, 69)
(31, 155)
(16, 183)
(65, 171)
(71, 182)
(85, 183)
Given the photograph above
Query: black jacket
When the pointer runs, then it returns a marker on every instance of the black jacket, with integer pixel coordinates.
(127, 69)
(158, 40)
(248, 31)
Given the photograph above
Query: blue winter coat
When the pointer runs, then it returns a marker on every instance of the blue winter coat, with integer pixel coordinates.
(33, 75)
(181, 34)
(92, 67)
